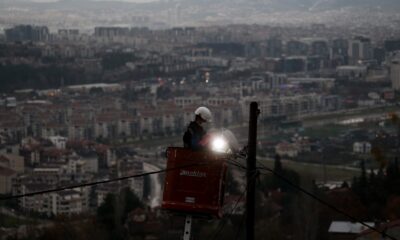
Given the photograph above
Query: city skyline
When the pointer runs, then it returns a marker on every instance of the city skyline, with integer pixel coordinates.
(105, 106)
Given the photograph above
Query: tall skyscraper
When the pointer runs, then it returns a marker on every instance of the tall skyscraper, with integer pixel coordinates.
(339, 52)
(360, 48)
(395, 74)
(320, 48)
(27, 33)
(274, 47)
(296, 48)
(340, 47)
(392, 45)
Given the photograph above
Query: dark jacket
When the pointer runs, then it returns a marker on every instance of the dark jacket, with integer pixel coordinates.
(193, 135)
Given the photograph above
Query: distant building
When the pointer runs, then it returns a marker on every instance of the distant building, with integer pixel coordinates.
(362, 147)
(66, 32)
(287, 149)
(352, 72)
(68, 35)
(27, 33)
(316, 63)
(274, 47)
(6, 177)
(391, 229)
(294, 64)
(377, 74)
(388, 94)
(68, 202)
(331, 102)
(11, 102)
(320, 48)
(341, 230)
(360, 48)
(262, 81)
(253, 49)
(219, 100)
(296, 48)
(288, 106)
(110, 32)
(322, 83)
(392, 45)
(12, 161)
(340, 47)
(339, 52)
(58, 141)
(187, 101)
(105, 87)
(395, 74)
(379, 54)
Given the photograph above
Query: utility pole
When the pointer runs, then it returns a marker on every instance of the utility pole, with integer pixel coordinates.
(188, 227)
(251, 171)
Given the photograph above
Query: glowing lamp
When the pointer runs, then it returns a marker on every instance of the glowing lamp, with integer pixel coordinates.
(219, 145)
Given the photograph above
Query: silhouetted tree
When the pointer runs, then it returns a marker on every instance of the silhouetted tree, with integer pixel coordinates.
(392, 181)
(372, 177)
(278, 170)
(96, 91)
(355, 186)
(131, 202)
(363, 182)
(278, 164)
(105, 213)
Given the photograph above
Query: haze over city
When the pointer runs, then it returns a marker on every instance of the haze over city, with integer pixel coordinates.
(200, 119)
(164, 14)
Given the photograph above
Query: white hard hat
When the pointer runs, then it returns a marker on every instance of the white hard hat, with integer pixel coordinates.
(204, 113)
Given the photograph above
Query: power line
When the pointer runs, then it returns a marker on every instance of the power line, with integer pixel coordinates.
(98, 182)
(224, 220)
(240, 226)
(109, 181)
(235, 163)
(315, 197)
(222, 224)
(229, 161)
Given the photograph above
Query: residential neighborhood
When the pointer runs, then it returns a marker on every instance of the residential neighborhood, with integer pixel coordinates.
(90, 109)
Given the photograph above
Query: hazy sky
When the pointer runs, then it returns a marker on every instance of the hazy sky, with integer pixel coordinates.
(133, 1)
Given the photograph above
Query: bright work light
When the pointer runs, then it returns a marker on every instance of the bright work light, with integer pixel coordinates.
(219, 144)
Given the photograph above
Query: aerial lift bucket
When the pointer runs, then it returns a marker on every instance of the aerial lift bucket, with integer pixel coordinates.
(195, 185)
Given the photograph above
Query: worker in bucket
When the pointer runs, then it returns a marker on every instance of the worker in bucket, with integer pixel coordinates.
(195, 131)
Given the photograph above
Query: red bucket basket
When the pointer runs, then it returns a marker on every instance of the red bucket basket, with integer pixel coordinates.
(195, 183)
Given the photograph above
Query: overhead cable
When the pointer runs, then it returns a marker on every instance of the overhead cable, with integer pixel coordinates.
(98, 182)
(321, 201)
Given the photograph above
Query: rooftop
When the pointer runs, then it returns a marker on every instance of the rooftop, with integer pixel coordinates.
(348, 227)
(6, 172)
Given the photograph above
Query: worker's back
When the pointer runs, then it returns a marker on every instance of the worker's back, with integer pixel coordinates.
(193, 135)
